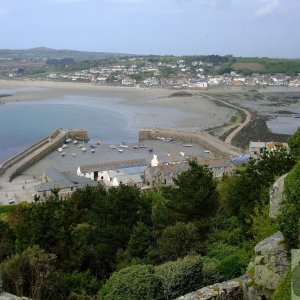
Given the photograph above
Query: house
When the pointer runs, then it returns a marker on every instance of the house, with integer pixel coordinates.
(115, 173)
(66, 182)
(257, 148)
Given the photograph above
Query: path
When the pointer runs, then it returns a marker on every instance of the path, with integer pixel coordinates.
(231, 136)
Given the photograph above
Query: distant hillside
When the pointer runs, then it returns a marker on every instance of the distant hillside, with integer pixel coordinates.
(47, 53)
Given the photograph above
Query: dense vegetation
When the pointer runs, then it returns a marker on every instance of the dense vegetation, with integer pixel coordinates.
(124, 244)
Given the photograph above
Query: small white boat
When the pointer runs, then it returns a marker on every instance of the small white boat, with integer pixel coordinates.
(93, 151)
(123, 146)
(69, 140)
(79, 146)
(64, 146)
(63, 154)
(73, 154)
(206, 151)
(136, 147)
(83, 149)
(60, 149)
(143, 146)
(75, 142)
(112, 146)
(120, 150)
(187, 145)
(98, 143)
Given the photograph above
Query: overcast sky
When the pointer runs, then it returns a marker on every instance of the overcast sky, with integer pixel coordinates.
(239, 27)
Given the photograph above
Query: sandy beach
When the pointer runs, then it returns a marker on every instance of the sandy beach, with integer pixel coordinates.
(138, 100)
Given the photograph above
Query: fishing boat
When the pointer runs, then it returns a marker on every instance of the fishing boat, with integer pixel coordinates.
(64, 146)
(112, 146)
(79, 146)
(206, 151)
(120, 150)
(142, 146)
(136, 147)
(93, 150)
(75, 142)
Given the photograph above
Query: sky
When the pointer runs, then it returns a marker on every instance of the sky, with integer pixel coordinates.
(262, 28)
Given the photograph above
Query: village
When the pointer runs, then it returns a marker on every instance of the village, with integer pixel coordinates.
(146, 72)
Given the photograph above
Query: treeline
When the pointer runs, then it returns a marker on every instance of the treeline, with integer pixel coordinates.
(124, 244)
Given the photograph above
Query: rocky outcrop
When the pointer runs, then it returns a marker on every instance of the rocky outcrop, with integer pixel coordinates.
(271, 263)
(276, 196)
(227, 290)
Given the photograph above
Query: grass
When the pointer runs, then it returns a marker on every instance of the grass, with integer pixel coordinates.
(4, 209)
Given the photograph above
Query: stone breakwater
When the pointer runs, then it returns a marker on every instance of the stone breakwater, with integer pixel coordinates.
(17, 164)
(201, 138)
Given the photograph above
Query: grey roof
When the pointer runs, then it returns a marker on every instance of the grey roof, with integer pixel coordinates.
(127, 178)
(112, 165)
(63, 180)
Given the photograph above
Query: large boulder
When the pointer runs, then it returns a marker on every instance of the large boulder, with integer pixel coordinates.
(271, 262)
(276, 196)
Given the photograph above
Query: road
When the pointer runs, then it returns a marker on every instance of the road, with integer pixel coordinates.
(231, 136)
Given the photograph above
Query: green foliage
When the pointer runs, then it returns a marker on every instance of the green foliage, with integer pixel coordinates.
(283, 291)
(181, 276)
(135, 282)
(80, 283)
(195, 195)
(31, 273)
(210, 271)
(262, 225)
(178, 241)
(294, 143)
(288, 221)
(292, 185)
(4, 210)
(232, 260)
(139, 240)
(289, 214)
(7, 239)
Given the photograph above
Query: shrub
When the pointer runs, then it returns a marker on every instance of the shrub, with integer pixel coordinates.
(135, 282)
(181, 276)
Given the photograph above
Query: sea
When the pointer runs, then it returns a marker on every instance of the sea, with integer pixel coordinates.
(107, 119)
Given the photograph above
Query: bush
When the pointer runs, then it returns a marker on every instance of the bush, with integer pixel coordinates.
(181, 276)
(135, 282)
(232, 260)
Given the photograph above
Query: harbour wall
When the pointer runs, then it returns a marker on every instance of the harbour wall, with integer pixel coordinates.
(21, 155)
(30, 161)
(201, 138)
(17, 164)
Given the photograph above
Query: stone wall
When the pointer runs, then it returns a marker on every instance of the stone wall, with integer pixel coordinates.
(21, 155)
(40, 155)
(203, 139)
(276, 197)
(271, 263)
(227, 290)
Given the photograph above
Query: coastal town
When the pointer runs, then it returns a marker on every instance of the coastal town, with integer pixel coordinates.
(153, 72)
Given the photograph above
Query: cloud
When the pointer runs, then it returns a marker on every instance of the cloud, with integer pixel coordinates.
(267, 9)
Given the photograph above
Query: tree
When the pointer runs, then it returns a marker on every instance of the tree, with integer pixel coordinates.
(178, 241)
(31, 273)
(194, 195)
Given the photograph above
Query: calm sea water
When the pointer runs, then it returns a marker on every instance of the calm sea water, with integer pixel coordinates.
(22, 124)
(106, 119)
